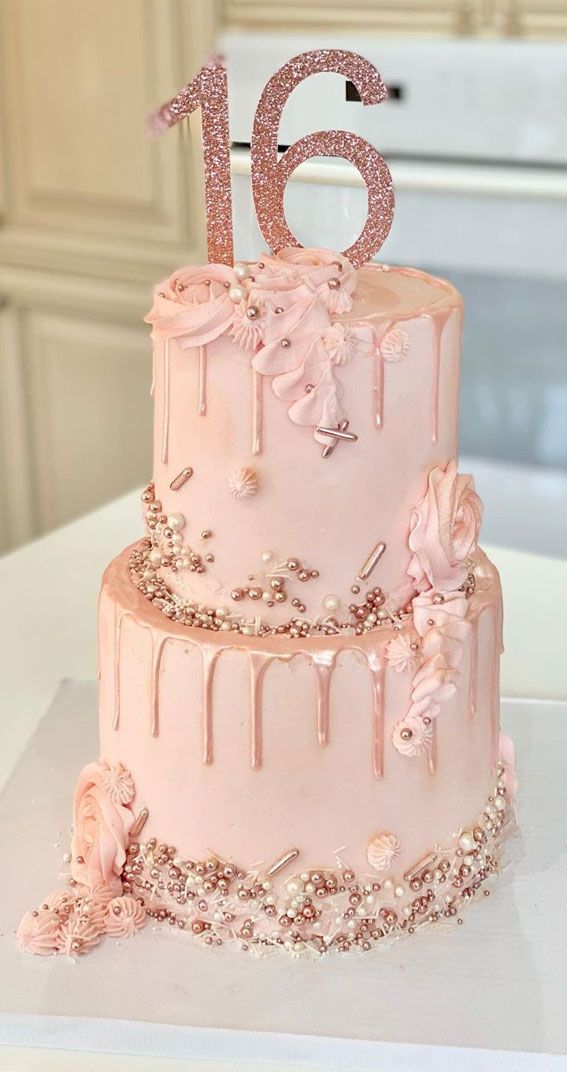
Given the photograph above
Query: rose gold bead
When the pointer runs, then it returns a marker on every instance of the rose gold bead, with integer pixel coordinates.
(285, 344)
(334, 283)
(278, 309)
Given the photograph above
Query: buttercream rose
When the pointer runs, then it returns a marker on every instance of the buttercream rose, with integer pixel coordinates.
(444, 530)
(101, 826)
(330, 275)
(193, 305)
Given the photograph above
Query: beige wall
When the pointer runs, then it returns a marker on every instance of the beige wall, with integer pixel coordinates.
(91, 215)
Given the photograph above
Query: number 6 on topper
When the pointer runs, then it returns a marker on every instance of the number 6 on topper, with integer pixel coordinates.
(208, 90)
(269, 175)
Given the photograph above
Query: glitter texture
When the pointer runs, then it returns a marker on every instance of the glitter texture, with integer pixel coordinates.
(269, 175)
(209, 92)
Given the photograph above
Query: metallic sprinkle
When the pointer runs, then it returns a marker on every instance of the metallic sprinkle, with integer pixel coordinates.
(372, 561)
(336, 433)
(139, 823)
(181, 478)
(269, 175)
(283, 861)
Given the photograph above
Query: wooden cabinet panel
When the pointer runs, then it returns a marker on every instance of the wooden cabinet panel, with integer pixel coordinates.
(529, 18)
(17, 517)
(90, 411)
(80, 78)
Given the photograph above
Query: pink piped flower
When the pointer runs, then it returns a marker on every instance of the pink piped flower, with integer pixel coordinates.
(411, 736)
(118, 783)
(38, 933)
(344, 342)
(194, 305)
(328, 274)
(402, 653)
(100, 832)
(78, 935)
(394, 345)
(125, 917)
(444, 529)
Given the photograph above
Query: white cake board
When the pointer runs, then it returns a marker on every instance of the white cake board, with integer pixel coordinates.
(499, 983)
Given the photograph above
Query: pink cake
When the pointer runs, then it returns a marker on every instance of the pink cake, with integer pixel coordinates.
(299, 660)
(299, 710)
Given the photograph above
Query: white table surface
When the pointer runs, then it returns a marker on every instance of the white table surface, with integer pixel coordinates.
(51, 586)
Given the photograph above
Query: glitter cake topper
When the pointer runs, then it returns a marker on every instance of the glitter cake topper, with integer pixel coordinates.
(269, 175)
(209, 91)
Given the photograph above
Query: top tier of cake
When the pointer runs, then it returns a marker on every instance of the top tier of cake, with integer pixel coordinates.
(255, 511)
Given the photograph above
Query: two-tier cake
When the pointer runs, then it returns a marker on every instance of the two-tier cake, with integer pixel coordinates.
(299, 700)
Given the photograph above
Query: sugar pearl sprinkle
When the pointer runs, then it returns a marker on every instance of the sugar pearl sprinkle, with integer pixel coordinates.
(317, 911)
(279, 581)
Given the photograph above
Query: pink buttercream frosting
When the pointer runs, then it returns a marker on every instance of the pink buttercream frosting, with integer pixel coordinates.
(37, 933)
(101, 826)
(125, 917)
(193, 305)
(282, 314)
(444, 529)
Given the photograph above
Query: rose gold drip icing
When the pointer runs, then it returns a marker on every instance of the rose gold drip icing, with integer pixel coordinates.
(209, 657)
(473, 675)
(157, 651)
(433, 748)
(439, 320)
(166, 391)
(378, 383)
(119, 616)
(202, 405)
(499, 611)
(377, 669)
(495, 689)
(257, 412)
(324, 663)
(98, 655)
(258, 665)
(378, 389)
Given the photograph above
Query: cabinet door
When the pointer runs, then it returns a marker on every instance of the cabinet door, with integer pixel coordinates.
(90, 412)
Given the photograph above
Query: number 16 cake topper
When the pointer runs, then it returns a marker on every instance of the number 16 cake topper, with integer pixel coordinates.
(209, 90)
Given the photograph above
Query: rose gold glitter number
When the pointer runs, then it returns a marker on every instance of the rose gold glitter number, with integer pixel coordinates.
(269, 175)
(209, 92)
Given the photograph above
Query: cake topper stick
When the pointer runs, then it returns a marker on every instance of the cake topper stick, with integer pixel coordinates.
(209, 92)
(269, 175)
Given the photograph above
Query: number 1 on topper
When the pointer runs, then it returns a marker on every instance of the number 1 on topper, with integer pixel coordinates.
(209, 92)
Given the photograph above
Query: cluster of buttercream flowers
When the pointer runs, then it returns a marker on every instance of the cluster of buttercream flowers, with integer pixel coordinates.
(74, 920)
(281, 309)
(444, 530)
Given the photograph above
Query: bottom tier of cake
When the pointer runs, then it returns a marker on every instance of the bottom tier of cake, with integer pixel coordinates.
(310, 795)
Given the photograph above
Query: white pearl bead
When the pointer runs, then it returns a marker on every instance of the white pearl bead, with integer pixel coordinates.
(331, 603)
(370, 899)
(155, 557)
(467, 843)
(236, 293)
(294, 886)
(304, 876)
(351, 924)
(241, 271)
(267, 556)
(399, 891)
(500, 803)
(310, 888)
(361, 911)
(291, 913)
(176, 521)
(387, 884)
